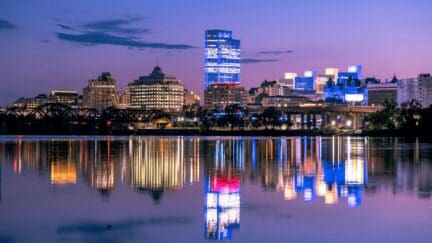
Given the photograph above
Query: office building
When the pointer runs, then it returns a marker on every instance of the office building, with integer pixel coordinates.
(354, 74)
(100, 93)
(157, 91)
(415, 88)
(124, 99)
(67, 97)
(320, 82)
(306, 83)
(222, 58)
(191, 98)
(288, 79)
(220, 96)
(31, 103)
(333, 72)
(380, 92)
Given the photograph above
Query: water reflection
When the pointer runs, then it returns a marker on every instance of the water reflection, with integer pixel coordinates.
(329, 171)
(222, 190)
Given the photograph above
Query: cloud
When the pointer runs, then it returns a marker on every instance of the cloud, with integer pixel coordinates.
(65, 27)
(6, 25)
(99, 38)
(116, 26)
(113, 32)
(276, 52)
(251, 60)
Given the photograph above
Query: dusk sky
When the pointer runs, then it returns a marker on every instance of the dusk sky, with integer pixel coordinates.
(60, 44)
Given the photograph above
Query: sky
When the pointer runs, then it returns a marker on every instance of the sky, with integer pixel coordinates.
(60, 44)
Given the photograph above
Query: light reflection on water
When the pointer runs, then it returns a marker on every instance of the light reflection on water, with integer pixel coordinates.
(308, 173)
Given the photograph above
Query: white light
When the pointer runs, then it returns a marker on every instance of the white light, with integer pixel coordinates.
(354, 97)
(348, 123)
(309, 74)
(308, 194)
(229, 200)
(290, 75)
(333, 122)
(211, 200)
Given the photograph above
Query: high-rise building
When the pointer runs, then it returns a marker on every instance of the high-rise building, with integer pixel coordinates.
(222, 58)
(100, 93)
(220, 96)
(354, 73)
(333, 72)
(320, 82)
(415, 88)
(157, 91)
(306, 83)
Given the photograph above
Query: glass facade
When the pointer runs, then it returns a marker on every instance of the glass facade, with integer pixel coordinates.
(306, 83)
(222, 58)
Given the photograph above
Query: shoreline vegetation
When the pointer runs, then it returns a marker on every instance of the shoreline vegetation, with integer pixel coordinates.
(408, 120)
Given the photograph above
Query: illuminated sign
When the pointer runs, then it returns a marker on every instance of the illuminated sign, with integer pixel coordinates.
(354, 97)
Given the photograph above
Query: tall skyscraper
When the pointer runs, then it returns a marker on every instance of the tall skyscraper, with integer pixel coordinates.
(222, 58)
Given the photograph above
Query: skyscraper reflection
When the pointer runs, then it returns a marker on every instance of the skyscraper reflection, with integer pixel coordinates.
(222, 190)
(329, 170)
(157, 165)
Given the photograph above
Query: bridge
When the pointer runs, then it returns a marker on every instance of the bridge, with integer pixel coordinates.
(54, 117)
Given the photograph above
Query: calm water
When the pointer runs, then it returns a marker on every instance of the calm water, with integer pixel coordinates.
(197, 189)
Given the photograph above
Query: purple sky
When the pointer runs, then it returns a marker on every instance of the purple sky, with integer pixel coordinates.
(47, 45)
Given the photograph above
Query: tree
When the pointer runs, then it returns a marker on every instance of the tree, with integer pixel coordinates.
(234, 115)
(270, 116)
(410, 114)
(387, 118)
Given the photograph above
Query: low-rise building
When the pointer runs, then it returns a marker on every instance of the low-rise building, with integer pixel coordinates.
(380, 92)
(67, 97)
(220, 96)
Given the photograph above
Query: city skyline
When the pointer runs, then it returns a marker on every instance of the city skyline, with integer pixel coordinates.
(64, 45)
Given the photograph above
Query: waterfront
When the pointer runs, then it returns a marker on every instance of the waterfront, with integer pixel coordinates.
(193, 189)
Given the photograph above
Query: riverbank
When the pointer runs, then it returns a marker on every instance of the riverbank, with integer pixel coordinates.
(254, 133)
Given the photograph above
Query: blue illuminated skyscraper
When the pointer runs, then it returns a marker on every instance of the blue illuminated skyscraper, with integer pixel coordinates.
(306, 83)
(222, 58)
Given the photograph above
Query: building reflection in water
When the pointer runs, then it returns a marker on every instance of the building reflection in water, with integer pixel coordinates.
(329, 170)
(222, 190)
(157, 165)
(63, 166)
(312, 169)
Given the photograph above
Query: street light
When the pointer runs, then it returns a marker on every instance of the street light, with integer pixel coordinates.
(348, 123)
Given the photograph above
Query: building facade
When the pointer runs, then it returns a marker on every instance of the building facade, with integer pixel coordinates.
(220, 96)
(67, 97)
(100, 93)
(157, 91)
(415, 88)
(222, 58)
(380, 92)
(191, 98)
(306, 83)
